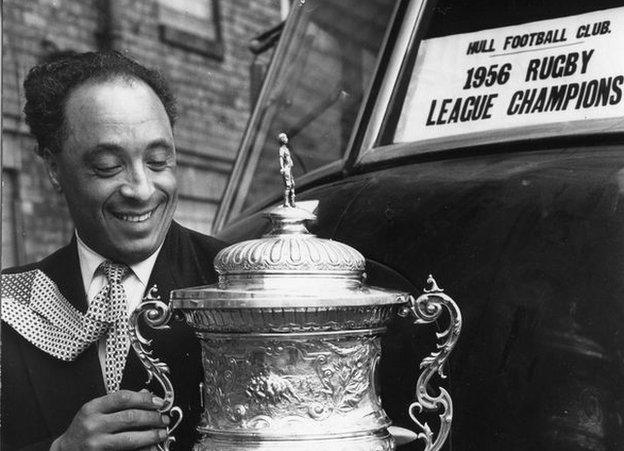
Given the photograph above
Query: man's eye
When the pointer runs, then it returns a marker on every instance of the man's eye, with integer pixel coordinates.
(107, 170)
(157, 164)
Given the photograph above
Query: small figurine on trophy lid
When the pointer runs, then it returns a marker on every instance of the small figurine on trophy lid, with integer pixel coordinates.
(286, 165)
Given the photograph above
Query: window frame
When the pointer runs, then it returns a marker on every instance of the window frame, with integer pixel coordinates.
(177, 37)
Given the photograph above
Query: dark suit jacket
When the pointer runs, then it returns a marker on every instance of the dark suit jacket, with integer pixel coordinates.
(41, 394)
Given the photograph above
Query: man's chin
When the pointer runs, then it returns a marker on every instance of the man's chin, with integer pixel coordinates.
(138, 245)
(134, 252)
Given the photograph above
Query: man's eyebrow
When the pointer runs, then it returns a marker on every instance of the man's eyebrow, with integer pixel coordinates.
(160, 143)
(116, 148)
(104, 148)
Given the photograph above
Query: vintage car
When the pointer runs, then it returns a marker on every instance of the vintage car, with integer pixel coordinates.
(480, 141)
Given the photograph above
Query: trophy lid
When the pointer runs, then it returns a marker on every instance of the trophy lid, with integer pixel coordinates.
(289, 266)
(289, 248)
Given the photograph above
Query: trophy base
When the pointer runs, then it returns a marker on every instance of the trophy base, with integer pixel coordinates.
(378, 441)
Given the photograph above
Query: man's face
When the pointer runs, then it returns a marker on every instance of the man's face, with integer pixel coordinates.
(117, 168)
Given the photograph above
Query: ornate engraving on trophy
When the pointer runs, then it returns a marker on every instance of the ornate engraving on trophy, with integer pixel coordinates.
(313, 385)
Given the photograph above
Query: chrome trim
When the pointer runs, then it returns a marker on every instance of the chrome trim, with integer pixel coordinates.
(404, 42)
(370, 94)
(501, 136)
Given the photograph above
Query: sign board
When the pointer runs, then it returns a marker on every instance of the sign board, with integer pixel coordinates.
(556, 70)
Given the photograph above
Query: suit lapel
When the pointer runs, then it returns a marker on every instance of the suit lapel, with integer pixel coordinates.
(63, 387)
(177, 264)
(63, 268)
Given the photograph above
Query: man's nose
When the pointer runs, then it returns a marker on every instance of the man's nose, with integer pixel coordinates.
(139, 185)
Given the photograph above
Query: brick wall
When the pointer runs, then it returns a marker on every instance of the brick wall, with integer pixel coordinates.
(213, 97)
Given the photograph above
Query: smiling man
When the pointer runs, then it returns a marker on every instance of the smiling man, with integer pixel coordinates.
(117, 168)
(104, 127)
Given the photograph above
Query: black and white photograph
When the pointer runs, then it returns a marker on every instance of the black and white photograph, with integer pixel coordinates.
(303, 225)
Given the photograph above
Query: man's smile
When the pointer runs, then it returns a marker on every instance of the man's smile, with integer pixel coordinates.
(132, 216)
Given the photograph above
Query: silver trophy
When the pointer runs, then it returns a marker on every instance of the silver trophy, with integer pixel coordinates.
(290, 340)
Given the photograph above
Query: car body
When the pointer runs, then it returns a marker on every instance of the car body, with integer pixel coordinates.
(520, 219)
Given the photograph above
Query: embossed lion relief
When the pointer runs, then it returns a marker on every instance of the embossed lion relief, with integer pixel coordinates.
(271, 388)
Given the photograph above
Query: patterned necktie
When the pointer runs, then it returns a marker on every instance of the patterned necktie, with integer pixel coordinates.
(109, 308)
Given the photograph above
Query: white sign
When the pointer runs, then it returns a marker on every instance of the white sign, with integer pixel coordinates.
(557, 70)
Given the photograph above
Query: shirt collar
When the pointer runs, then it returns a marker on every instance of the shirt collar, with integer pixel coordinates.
(143, 269)
(91, 260)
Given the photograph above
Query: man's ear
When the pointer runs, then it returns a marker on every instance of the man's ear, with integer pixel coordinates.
(52, 168)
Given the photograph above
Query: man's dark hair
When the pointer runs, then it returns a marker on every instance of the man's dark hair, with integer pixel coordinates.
(48, 86)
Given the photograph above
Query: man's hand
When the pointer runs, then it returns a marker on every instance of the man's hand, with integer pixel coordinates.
(124, 420)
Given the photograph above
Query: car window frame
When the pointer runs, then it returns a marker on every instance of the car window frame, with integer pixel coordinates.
(231, 201)
(384, 84)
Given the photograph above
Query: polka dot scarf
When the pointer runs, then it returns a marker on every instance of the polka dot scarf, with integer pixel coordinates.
(33, 305)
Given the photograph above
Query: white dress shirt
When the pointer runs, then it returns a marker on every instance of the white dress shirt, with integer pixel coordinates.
(134, 284)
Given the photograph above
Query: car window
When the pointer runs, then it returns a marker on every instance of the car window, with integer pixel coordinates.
(314, 98)
(497, 70)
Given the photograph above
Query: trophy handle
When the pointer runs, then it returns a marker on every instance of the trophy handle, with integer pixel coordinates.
(156, 314)
(426, 309)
